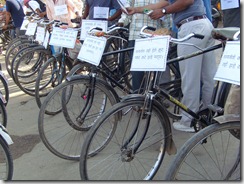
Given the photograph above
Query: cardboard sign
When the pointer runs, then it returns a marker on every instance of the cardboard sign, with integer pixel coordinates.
(46, 39)
(88, 24)
(63, 37)
(150, 54)
(92, 49)
(101, 12)
(229, 4)
(31, 29)
(40, 34)
(24, 24)
(229, 66)
(61, 10)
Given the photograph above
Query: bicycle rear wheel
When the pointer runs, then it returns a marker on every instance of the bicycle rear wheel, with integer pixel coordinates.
(108, 150)
(211, 154)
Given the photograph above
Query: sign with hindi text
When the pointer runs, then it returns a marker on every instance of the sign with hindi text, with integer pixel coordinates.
(150, 54)
(229, 66)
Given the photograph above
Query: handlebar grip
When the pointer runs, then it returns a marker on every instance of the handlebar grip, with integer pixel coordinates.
(199, 36)
(151, 28)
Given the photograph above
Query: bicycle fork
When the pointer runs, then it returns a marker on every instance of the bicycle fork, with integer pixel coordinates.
(127, 152)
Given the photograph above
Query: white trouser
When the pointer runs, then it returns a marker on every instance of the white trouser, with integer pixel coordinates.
(196, 69)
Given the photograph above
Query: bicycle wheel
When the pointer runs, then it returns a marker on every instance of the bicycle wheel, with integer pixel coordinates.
(13, 50)
(62, 138)
(50, 75)
(3, 113)
(108, 150)
(211, 154)
(4, 90)
(6, 161)
(28, 67)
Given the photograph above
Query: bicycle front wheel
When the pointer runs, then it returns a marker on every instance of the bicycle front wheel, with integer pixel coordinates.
(6, 161)
(63, 135)
(211, 154)
(108, 152)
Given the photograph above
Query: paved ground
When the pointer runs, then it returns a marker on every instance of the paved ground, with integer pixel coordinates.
(32, 160)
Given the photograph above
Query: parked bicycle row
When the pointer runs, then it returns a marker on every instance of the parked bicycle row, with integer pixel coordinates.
(90, 113)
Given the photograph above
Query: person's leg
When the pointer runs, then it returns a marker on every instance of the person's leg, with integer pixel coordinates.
(137, 77)
(191, 70)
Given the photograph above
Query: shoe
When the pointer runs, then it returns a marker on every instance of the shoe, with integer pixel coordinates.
(181, 127)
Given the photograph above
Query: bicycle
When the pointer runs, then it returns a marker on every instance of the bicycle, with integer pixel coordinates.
(129, 141)
(6, 160)
(82, 99)
(213, 153)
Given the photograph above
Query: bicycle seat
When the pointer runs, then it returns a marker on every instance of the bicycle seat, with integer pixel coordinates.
(227, 33)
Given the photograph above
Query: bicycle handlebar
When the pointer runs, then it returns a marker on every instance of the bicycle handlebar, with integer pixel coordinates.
(175, 40)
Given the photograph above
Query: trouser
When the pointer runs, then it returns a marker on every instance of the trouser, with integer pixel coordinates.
(233, 102)
(198, 69)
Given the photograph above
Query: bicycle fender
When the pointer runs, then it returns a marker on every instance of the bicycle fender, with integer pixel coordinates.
(5, 135)
(171, 148)
(227, 118)
(131, 97)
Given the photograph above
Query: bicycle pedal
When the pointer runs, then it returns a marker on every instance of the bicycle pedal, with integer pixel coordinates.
(216, 108)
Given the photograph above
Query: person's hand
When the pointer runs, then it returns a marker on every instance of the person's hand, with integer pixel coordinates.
(120, 24)
(156, 14)
(130, 10)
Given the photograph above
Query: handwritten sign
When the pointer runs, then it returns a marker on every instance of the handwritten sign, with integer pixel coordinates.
(31, 29)
(88, 24)
(101, 12)
(63, 37)
(40, 34)
(61, 10)
(150, 54)
(24, 24)
(46, 39)
(92, 49)
(229, 66)
(229, 4)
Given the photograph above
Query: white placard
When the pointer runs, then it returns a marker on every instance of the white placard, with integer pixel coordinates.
(229, 66)
(229, 4)
(31, 29)
(46, 39)
(88, 24)
(24, 24)
(63, 37)
(150, 54)
(122, 5)
(92, 49)
(101, 12)
(61, 10)
(40, 34)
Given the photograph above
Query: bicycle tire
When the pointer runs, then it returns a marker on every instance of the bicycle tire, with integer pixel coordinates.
(13, 50)
(64, 139)
(3, 113)
(6, 161)
(99, 161)
(200, 151)
(28, 67)
(4, 89)
(48, 79)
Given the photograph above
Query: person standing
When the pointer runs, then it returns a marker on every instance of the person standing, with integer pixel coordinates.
(94, 7)
(62, 10)
(136, 22)
(15, 11)
(232, 18)
(189, 16)
(34, 7)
